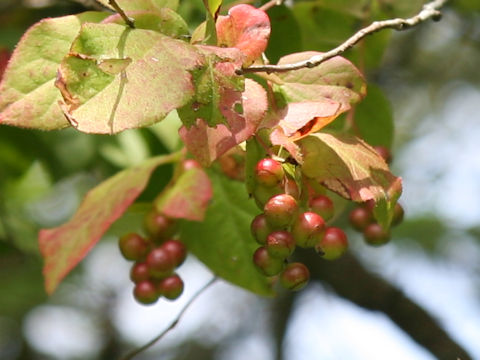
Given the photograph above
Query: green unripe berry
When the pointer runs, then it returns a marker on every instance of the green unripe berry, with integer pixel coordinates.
(308, 229)
(158, 226)
(262, 194)
(295, 276)
(260, 229)
(360, 218)
(375, 234)
(280, 244)
(323, 206)
(267, 264)
(280, 211)
(333, 244)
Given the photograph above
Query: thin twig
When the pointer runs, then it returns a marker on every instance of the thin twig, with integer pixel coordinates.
(429, 11)
(128, 20)
(270, 4)
(174, 323)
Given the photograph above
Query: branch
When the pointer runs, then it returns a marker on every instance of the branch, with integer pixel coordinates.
(350, 280)
(429, 11)
(174, 323)
(128, 20)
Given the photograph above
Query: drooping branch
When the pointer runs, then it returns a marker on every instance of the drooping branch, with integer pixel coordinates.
(429, 11)
(350, 280)
(128, 20)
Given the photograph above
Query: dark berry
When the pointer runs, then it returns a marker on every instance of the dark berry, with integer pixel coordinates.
(139, 272)
(281, 211)
(295, 276)
(145, 292)
(260, 229)
(158, 226)
(384, 153)
(374, 234)
(265, 263)
(398, 214)
(323, 206)
(160, 263)
(308, 229)
(280, 244)
(333, 245)
(177, 251)
(133, 246)
(269, 172)
(171, 287)
(360, 218)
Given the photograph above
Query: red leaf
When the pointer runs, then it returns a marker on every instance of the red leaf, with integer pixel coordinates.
(4, 57)
(188, 197)
(246, 28)
(208, 143)
(65, 246)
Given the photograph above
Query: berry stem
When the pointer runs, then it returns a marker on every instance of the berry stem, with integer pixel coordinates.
(174, 323)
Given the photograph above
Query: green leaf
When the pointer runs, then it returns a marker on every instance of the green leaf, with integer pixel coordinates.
(65, 246)
(28, 97)
(212, 7)
(187, 198)
(129, 5)
(348, 166)
(223, 241)
(116, 78)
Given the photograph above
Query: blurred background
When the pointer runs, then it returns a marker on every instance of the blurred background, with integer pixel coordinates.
(416, 298)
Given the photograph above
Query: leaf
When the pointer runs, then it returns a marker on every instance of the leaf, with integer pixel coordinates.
(140, 90)
(348, 166)
(208, 143)
(165, 21)
(245, 28)
(129, 5)
(65, 246)
(223, 241)
(28, 97)
(210, 34)
(187, 198)
(4, 57)
(335, 79)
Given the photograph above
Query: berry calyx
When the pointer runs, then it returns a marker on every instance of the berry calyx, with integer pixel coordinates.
(295, 276)
(360, 218)
(269, 172)
(160, 263)
(333, 244)
(260, 229)
(145, 292)
(139, 272)
(280, 244)
(265, 263)
(375, 234)
(133, 246)
(281, 211)
(177, 251)
(323, 206)
(171, 287)
(308, 229)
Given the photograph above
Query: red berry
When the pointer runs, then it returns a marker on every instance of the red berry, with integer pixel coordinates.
(308, 229)
(260, 229)
(171, 287)
(190, 164)
(158, 226)
(177, 251)
(265, 263)
(281, 211)
(133, 246)
(145, 292)
(360, 218)
(269, 172)
(333, 245)
(160, 263)
(295, 276)
(280, 244)
(323, 206)
(139, 272)
(375, 235)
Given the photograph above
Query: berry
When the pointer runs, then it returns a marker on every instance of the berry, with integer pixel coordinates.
(360, 218)
(171, 287)
(291, 187)
(384, 153)
(145, 292)
(333, 245)
(190, 164)
(295, 276)
(374, 234)
(160, 263)
(263, 193)
(158, 226)
(177, 251)
(280, 211)
(308, 229)
(133, 246)
(260, 229)
(398, 214)
(323, 206)
(265, 263)
(139, 272)
(269, 172)
(280, 244)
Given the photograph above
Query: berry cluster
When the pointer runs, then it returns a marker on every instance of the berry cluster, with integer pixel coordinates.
(155, 259)
(287, 222)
